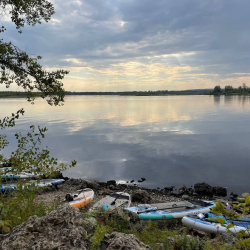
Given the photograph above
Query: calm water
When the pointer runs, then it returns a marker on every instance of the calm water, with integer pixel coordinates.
(171, 140)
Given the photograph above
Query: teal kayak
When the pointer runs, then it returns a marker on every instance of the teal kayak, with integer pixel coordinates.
(171, 210)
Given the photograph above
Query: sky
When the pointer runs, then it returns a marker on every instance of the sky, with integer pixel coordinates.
(127, 45)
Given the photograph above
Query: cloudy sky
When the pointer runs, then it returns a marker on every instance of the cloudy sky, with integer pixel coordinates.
(125, 45)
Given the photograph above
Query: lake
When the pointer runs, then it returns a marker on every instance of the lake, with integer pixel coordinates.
(169, 140)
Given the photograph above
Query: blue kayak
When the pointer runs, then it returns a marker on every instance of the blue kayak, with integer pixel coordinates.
(42, 183)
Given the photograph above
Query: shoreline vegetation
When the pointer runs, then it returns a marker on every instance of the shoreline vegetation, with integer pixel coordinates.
(228, 90)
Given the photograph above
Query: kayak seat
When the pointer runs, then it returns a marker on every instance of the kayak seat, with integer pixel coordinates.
(69, 197)
(191, 206)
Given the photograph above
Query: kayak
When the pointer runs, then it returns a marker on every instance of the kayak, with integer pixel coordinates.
(8, 174)
(7, 187)
(113, 201)
(42, 183)
(170, 210)
(22, 175)
(209, 224)
(5, 169)
(80, 198)
(47, 182)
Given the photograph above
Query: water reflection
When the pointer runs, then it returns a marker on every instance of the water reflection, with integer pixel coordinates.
(171, 140)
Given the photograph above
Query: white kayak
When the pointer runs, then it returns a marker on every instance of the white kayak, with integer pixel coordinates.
(113, 201)
(80, 198)
(208, 224)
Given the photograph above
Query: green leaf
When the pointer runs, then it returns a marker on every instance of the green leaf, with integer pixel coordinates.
(245, 194)
(230, 225)
(212, 219)
(221, 220)
(247, 200)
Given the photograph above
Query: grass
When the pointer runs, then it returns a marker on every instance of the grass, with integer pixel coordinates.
(164, 235)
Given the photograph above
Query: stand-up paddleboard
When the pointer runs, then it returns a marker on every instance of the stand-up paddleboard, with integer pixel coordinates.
(171, 210)
(209, 225)
(80, 198)
(42, 183)
(113, 201)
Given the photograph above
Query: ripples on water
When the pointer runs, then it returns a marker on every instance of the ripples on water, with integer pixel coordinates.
(170, 140)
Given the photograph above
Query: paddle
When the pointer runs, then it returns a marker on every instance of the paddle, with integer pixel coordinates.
(118, 196)
(113, 202)
(150, 209)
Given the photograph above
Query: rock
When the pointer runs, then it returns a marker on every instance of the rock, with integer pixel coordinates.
(169, 189)
(121, 241)
(76, 182)
(229, 238)
(140, 196)
(122, 186)
(64, 228)
(111, 182)
(160, 246)
(142, 179)
(203, 189)
(186, 197)
(93, 185)
(233, 196)
(112, 187)
(102, 184)
(220, 191)
(105, 191)
(184, 190)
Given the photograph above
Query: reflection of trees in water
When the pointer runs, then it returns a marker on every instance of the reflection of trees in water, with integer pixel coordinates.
(217, 99)
(239, 100)
(232, 100)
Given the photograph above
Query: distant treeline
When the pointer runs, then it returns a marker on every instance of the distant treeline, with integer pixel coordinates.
(230, 90)
(13, 94)
(147, 93)
(121, 93)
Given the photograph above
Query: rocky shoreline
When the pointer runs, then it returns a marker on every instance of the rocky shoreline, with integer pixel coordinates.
(138, 194)
(69, 228)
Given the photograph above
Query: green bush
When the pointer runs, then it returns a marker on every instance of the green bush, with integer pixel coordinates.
(18, 206)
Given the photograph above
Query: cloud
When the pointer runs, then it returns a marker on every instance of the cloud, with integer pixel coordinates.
(197, 42)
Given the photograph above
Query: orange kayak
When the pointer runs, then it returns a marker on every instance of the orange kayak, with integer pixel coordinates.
(80, 198)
